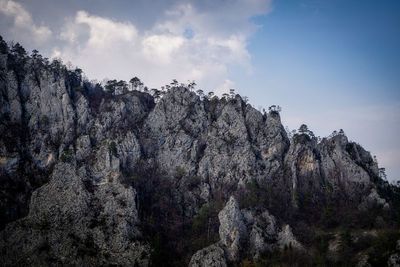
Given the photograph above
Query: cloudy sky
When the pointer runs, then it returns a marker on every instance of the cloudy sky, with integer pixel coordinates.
(329, 64)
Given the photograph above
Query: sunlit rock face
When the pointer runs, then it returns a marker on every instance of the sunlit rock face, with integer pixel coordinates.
(209, 256)
(84, 172)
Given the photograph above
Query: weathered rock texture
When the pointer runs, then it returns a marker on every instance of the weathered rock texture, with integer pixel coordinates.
(71, 156)
(241, 229)
(212, 256)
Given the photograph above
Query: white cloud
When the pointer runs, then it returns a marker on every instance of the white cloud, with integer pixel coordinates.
(225, 87)
(159, 49)
(24, 28)
(105, 32)
(107, 48)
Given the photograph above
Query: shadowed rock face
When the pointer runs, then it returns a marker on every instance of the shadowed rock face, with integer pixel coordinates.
(70, 157)
(232, 230)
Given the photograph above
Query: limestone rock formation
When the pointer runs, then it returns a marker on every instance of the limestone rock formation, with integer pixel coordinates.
(243, 228)
(232, 230)
(286, 239)
(212, 256)
(94, 177)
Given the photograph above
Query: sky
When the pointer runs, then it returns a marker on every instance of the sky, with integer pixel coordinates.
(329, 64)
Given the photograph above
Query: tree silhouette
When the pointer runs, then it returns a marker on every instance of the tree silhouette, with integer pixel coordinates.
(382, 173)
(200, 93)
(135, 82)
(35, 54)
(232, 92)
(275, 108)
(303, 129)
(110, 86)
(174, 82)
(3, 46)
(156, 93)
(116, 87)
(122, 87)
(191, 85)
(18, 50)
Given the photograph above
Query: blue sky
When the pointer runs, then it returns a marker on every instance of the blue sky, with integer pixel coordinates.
(332, 64)
(329, 64)
(331, 50)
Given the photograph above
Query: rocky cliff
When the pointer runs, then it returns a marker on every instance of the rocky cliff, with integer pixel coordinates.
(90, 176)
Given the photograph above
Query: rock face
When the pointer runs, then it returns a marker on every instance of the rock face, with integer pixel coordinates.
(62, 170)
(232, 230)
(394, 259)
(73, 158)
(334, 164)
(244, 229)
(286, 239)
(69, 225)
(212, 256)
(262, 231)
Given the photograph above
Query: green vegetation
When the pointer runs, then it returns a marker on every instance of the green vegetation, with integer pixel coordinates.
(377, 249)
(173, 234)
(179, 172)
(113, 85)
(112, 147)
(345, 248)
(66, 156)
(328, 216)
(3, 46)
(255, 195)
(194, 182)
(203, 231)
(176, 221)
(134, 179)
(135, 83)
(44, 120)
(80, 89)
(382, 246)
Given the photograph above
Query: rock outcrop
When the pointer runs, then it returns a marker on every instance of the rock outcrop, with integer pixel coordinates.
(212, 256)
(244, 229)
(286, 239)
(394, 259)
(70, 224)
(232, 229)
(77, 164)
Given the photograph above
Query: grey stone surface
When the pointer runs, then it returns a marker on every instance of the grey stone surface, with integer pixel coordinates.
(287, 239)
(232, 229)
(394, 260)
(212, 256)
(66, 158)
(69, 225)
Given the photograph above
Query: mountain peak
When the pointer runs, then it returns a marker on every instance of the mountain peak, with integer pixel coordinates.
(120, 174)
